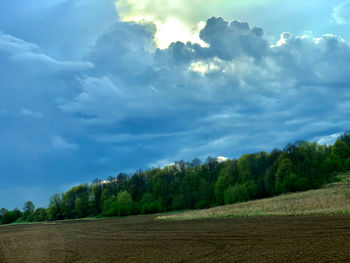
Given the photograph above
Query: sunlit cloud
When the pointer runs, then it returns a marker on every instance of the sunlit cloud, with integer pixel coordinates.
(180, 20)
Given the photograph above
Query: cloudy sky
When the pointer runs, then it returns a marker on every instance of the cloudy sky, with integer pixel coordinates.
(91, 88)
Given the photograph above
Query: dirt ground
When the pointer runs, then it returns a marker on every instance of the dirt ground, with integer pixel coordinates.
(141, 239)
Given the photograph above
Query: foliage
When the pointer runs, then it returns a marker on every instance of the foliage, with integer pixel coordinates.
(110, 206)
(41, 214)
(125, 203)
(11, 216)
(191, 185)
(237, 193)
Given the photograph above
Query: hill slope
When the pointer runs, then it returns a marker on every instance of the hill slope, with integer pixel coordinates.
(333, 198)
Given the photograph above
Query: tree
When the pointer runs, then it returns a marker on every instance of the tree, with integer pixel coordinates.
(196, 162)
(206, 195)
(41, 214)
(110, 206)
(82, 206)
(28, 208)
(56, 207)
(341, 149)
(220, 187)
(70, 197)
(270, 180)
(124, 203)
(347, 164)
(122, 179)
(345, 137)
(96, 191)
(2, 212)
(237, 193)
(137, 186)
(189, 188)
(284, 170)
(10, 216)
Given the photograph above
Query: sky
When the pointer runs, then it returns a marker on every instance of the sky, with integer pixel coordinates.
(91, 88)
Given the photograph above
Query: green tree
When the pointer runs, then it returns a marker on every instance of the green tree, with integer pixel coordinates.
(96, 191)
(345, 137)
(41, 214)
(28, 209)
(347, 164)
(82, 208)
(237, 193)
(340, 152)
(205, 194)
(220, 187)
(11, 216)
(2, 212)
(189, 188)
(110, 206)
(284, 170)
(125, 203)
(56, 207)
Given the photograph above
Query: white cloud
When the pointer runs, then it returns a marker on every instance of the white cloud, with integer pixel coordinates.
(50, 63)
(221, 159)
(327, 140)
(58, 143)
(341, 13)
(31, 113)
(12, 44)
(26, 52)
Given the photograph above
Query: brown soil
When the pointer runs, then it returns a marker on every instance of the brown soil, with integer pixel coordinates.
(142, 239)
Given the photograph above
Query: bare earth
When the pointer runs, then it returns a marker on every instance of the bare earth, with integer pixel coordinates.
(142, 239)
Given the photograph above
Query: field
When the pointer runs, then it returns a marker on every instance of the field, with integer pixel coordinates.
(332, 199)
(143, 239)
(265, 230)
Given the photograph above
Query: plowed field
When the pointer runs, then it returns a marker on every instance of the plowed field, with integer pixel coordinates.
(142, 239)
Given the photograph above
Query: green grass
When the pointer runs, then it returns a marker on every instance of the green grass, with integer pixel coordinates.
(332, 199)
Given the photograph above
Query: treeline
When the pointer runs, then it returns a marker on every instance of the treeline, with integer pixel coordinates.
(193, 185)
